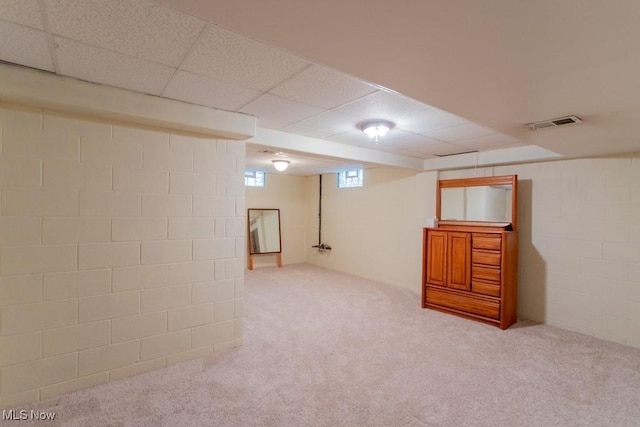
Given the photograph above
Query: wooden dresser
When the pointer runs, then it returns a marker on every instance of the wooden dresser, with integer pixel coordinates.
(470, 268)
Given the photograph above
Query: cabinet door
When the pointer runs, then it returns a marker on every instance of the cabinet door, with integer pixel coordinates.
(436, 251)
(459, 256)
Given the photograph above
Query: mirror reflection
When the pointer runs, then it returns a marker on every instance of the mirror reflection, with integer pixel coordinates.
(476, 203)
(264, 231)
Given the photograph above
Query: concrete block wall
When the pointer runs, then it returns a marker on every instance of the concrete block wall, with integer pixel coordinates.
(121, 250)
(579, 237)
(579, 244)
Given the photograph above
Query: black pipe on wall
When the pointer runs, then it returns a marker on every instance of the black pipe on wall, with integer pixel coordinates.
(321, 246)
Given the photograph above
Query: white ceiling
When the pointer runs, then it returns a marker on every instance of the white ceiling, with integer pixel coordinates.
(318, 69)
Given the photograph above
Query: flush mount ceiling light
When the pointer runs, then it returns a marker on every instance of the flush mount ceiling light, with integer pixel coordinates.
(376, 129)
(280, 165)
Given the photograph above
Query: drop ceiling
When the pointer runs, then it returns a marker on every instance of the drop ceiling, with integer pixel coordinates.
(454, 76)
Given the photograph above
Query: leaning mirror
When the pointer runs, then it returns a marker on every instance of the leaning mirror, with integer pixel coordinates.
(264, 233)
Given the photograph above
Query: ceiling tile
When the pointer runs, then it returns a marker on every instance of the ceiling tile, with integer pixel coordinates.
(275, 112)
(356, 135)
(397, 150)
(327, 123)
(110, 68)
(456, 133)
(139, 44)
(489, 141)
(322, 87)
(405, 142)
(236, 59)
(425, 151)
(411, 153)
(24, 12)
(429, 119)
(383, 105)
(442, 149)
(212, 93)
(137, 28)
(414, 141)
(24, 46)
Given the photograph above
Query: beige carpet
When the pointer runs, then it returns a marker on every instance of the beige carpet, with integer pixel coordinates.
(327, 349)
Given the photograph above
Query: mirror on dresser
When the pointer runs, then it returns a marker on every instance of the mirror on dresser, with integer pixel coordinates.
(263, 231)
(470, 258)
(486, 199)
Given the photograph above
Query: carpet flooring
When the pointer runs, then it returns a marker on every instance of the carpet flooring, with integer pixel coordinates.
(323, 348)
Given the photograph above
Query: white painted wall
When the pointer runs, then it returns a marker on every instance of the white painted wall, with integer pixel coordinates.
(375, 231)
(287, 193)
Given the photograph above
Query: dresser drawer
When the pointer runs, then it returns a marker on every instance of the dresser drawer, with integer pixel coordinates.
(486, 273)
(487, 241)
(486, 257)
(485, 288)
(466, 303)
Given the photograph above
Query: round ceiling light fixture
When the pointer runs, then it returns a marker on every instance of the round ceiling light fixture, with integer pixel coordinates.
(376, 129)
(280, 165)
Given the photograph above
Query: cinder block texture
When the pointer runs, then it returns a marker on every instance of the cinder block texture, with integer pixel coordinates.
(108, 250)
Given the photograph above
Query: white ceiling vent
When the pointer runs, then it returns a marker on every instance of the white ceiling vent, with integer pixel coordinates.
(560, 121)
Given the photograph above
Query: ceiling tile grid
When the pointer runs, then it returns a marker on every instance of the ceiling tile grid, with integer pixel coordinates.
(440, 149)
(415, 141)
(431, 119)
(276, 113)
(383, 105)
(232, 58)
(141, 28)
(143, 46)
(458, 132)
(329, 122)
(209, 92)
(23, 12)
(25, 46)
(322, 87)
(110, 68)
(356, 136)
(490, 141)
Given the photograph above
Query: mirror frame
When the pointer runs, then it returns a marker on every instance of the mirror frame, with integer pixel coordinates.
(249, 246)
(477, 182)
(249, 231)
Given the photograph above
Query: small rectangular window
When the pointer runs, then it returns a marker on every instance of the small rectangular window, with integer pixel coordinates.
(253, 179)
(349, 179)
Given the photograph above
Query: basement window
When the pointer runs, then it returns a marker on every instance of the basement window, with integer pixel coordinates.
(253, 179)
(350, 178)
